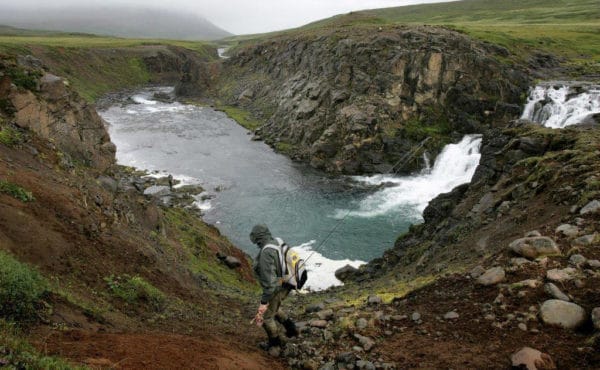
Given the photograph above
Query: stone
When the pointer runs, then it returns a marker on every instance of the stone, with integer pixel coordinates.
(315, 307)
(532, 359)
(532, 234)
(361, 323)
(346, 357)
(553, 291)
(591, 207)
(519, 261)
(567, 230)
(596, 317)
(373, 299)
(534, 247)
(477, 272)
(492, 276)
(522, 326)
(275, 351)
(108, 183)
(366, 342)
(558, 275)
(415, 316)
(318, 323)
(595, 264)
(345, 272)
(564, 314)
(158, 191)
(585, 241)
(366, 365)
(325, 314)
(232, 262)
(577, 260)
(452, 315)
(529, 283)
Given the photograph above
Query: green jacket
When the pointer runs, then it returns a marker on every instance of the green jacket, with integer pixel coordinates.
(266, 265)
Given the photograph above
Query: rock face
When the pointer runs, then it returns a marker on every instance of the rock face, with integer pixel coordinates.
(56, 112)
(356, 101)
(560, 313)
(534, 247)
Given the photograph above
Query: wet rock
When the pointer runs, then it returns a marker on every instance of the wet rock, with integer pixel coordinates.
(591, 207)
(558, 275)
(477, 272)
(366, 342)
(373, 299)
(585, 241)
(567, 230)
(345, 272)
(318, 323)
(596, 317)
(492, 276)
(577, 260)
(532, 359)
(564, 314)
(452, 315)
(553, 291)
(534, 247)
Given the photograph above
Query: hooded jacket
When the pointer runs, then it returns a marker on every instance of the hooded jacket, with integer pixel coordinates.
(266, 265)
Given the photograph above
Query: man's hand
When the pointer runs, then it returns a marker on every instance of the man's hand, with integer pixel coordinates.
(258, 319)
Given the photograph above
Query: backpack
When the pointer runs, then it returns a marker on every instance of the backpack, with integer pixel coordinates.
(293, 267)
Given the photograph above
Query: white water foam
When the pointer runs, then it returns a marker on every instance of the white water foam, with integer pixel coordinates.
(561, 106)
(455, 165)
(321, 270)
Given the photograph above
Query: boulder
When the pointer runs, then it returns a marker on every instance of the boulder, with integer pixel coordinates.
(567, 230)
(596, 317)
(591, 207)
(558, 275)
(534, 247)
(585, 241)
(157, 191)
(108, 183)
(532, 359)
(315, 307)
(595, 264)
(345, 272)
(577, 260)
(232, 262)
(325, 314)
(564, 314)
(492, 276)
(553, 291)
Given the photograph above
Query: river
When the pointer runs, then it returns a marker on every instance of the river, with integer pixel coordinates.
(334, 220)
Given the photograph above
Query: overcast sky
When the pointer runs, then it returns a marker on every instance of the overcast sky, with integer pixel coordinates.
(245, 16)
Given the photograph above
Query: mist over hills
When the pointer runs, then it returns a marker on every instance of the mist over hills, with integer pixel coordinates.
(122, 21)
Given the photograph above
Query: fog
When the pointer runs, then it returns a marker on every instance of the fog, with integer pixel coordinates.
(236, 16)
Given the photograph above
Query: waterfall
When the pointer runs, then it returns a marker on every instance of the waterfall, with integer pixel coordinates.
(455, 165)
(427, 163)
(562, 104)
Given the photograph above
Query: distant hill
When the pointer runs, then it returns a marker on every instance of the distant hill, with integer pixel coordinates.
(114, 21)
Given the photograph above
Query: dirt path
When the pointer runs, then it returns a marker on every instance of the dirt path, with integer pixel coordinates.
(155, 351)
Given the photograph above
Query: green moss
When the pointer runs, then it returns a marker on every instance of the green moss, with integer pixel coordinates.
(16, 191)
(284, 147)
(135, 289)
(241, 116)
(21, 288)
(10, 136)
(19, 354)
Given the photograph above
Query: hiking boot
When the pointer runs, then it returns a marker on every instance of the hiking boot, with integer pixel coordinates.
(290, 328)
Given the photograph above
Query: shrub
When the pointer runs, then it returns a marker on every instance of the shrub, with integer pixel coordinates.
(16, 191)
(21, 289)
(134, 289)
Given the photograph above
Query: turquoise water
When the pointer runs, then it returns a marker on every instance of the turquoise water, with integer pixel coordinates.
(345, 219)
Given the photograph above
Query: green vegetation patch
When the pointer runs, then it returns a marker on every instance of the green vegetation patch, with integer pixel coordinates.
(16, 191)
(17, 353)
(242, 116)
(284, 147)
(10, 136)
(24, 78)
(21, 289)
(135, 289)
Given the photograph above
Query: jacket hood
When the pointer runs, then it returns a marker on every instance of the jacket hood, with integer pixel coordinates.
(261, 235)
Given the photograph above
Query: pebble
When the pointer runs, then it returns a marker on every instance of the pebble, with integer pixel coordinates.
(318, 323)
(557, 275)
(519, 261)
(366, 342)
(564, 314)
(399, 317)
(374, 299)
(452, 315)
(522, 327)
(553, 291)
(477, 271)
(532, 234)
(415, 316)
(577, 260)
(492, 276)
(361, 323)
(367, 365)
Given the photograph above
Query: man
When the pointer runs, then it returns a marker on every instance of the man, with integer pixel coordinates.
(268, 270)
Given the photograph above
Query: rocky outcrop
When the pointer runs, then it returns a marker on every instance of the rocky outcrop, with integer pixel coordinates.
(55, 112)
(358, 100)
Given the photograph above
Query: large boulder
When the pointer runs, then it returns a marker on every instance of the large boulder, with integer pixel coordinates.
(344, 273)
(564, 314)
(534, 247)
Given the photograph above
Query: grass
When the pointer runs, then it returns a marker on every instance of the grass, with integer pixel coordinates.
(10, 136)
(21, 289)
(16, 191)
(241, 116)
(135, 289)
(17, 353)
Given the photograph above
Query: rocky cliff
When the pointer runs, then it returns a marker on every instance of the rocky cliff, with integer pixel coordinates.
(357, 100)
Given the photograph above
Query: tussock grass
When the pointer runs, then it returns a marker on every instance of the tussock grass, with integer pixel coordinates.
(16, 191)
